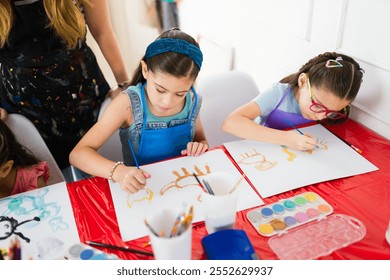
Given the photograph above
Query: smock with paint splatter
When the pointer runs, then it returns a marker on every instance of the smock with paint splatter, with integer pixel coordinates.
(59, 89)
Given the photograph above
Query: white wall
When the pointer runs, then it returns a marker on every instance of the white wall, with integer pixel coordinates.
(273, 38)
(127, 17)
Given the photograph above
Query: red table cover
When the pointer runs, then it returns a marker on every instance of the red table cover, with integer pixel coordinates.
(365, 197)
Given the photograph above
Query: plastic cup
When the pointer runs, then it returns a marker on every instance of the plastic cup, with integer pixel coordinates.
(164, 246)
(220, 208)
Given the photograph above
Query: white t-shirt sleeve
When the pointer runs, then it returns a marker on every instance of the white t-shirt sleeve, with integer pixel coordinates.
(268, 99)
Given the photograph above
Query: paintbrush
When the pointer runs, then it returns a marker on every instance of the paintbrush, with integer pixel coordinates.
(200, 184)
(133, 153)
(187, 221)
(293, 126)
(150, 228)
(208, 187)
(179, 218)
(125, 249)
(238, 183)
(318, 145)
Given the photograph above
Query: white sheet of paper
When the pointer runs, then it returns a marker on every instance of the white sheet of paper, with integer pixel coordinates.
(51, 236)
(132, 209)
(272, 170)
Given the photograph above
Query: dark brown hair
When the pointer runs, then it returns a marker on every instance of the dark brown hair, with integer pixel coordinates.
(343, 81)
(11, 149)
(175, 64)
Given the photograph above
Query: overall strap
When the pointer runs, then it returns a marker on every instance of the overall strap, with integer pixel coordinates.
(135, 107)
(195, 103)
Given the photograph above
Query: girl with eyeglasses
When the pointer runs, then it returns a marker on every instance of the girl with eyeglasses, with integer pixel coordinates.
(322, 89)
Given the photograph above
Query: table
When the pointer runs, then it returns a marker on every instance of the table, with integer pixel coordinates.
(365, 197)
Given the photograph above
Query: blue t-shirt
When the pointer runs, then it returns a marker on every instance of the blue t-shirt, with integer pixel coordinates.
(269, 99)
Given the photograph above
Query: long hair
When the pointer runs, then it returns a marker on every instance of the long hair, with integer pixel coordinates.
(65, 17)
(175, 64)
(11, 149)
(343, 81)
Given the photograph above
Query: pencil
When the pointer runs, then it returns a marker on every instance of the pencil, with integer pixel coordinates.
(132, 152)
(125, 249)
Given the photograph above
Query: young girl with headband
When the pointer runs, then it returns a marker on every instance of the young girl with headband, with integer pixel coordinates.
(157, 116)
(322, 89)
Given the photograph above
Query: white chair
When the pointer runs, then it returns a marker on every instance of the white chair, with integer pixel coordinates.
(112, 148)
(222, 94)
(27, 135)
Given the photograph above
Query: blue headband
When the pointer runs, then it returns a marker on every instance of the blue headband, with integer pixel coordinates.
(164, 45)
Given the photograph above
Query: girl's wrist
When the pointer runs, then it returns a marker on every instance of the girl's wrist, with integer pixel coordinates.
(113, 169)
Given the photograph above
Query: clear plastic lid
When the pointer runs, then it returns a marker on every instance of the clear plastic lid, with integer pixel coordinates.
(318, 238)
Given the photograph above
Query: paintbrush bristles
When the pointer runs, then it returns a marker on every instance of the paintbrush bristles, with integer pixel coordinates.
(178, 220)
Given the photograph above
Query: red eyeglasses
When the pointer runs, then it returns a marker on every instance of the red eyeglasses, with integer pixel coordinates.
(319, 108)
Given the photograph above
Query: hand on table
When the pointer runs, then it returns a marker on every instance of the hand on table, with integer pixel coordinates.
(195, 149)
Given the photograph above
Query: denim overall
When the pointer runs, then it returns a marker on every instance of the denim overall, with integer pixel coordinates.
(277, 118)
(156, 141)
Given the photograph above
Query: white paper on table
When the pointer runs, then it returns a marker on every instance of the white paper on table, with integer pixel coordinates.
(273, 169)
(132, 209)
(51, 235)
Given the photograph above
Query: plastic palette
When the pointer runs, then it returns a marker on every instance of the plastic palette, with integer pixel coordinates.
(288, 213)
(319, 238)
(85, 252)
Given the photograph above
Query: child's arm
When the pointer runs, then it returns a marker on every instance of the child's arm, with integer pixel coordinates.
(240, 123)
(43, 171)
(85, 156)
(199, 145)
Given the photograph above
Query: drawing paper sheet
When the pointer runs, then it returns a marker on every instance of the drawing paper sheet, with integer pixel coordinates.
(163, 191)
(273, 169)
(43, 216)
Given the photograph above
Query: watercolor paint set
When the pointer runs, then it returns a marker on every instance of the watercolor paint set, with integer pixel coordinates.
(82, 251)
(285, 214)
